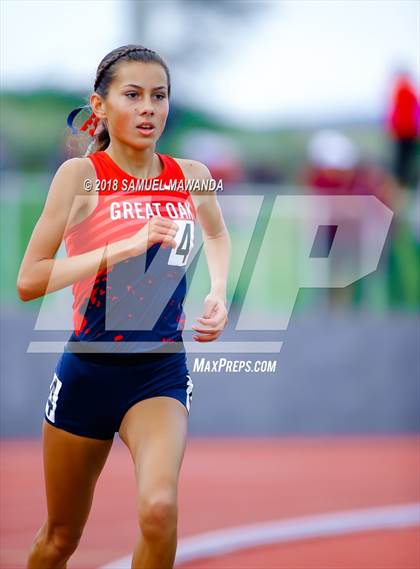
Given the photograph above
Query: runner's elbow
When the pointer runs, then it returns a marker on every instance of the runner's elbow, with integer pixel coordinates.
(26, 289)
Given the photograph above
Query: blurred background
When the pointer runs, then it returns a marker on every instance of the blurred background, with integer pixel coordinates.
(278, 98)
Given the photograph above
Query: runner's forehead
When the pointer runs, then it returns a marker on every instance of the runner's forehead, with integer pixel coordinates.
(137, 74)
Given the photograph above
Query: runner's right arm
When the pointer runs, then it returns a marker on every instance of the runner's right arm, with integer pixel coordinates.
(40, 273)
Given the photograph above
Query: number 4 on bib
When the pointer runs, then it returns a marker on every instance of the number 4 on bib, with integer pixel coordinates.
(184, 239)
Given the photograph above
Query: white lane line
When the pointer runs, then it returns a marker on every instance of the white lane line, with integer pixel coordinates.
(227, 540)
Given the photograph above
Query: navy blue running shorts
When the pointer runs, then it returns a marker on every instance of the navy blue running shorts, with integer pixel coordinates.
(90, 394)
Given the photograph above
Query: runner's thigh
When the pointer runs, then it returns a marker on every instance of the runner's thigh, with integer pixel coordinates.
(72, 465)
(155, 431)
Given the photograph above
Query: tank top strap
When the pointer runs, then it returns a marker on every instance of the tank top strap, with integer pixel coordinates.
(100, 165)
(172, 169)
(104, 168)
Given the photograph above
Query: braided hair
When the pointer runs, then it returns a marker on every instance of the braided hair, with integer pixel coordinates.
(105, 74)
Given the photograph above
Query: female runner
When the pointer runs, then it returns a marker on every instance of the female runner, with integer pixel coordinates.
(127, 253)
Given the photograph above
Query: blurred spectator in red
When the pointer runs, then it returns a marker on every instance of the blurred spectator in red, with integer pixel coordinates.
(335, 166)
(404, 127)
(331, 160)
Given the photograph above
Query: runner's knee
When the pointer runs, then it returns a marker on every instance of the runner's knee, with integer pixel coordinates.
(63, 540)
(158, 516)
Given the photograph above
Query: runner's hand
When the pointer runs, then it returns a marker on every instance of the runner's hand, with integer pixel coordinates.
(213, 320)
(157, 230)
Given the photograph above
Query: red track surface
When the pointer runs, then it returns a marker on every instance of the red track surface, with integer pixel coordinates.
(379, 550)
(230, 482)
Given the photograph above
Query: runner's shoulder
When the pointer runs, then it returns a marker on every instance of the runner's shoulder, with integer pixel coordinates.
(73, 172)
(193, 169)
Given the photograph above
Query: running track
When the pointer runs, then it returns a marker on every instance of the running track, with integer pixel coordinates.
(300, 484)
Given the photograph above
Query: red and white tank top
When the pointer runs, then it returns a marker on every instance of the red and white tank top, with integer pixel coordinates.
(124, 205)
